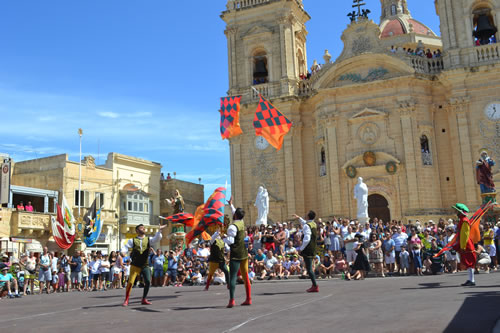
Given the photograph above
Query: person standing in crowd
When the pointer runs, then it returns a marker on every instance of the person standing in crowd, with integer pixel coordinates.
(45, 274)
(308, 248)
(85, 274)
(375, 254)
(117, 272)
(29, 277)
(238, 255)
(95, 264)
(140, 246)
(400, 239)
(158, 260)
(172, 269)
(390, 255)
(76, 271)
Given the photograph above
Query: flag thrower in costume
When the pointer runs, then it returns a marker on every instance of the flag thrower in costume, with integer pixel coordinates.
(270, 123)
(63, 226)
(93, 225)
(230, 117)
(474, 233)
(211, 213)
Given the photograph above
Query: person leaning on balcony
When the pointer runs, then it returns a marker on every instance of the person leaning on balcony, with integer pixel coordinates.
(20, 206)
(29, 207)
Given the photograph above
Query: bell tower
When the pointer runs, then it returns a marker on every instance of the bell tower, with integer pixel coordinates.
(266, 41)
(393, 8)
(466, 24)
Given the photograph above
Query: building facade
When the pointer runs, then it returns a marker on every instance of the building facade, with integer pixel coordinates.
(412, 126)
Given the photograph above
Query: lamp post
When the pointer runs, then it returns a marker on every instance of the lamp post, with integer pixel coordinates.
(80, 133)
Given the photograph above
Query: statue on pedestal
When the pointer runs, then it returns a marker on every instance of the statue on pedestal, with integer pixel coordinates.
(262, 204)
(484, 175)
(361, 195)
(177, 202)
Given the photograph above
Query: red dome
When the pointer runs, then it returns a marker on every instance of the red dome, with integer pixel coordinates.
(419, 28)
(393, 28)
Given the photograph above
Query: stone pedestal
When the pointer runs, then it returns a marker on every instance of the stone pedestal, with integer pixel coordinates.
(363, 221)
(494, 213)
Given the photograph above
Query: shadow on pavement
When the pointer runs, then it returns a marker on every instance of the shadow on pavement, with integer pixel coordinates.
(281, 293)
(433, 285)
(183, 308)
(478, 313)
(144, 309)
(101, 306)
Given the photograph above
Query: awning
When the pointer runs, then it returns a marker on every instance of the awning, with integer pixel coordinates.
(34, 246)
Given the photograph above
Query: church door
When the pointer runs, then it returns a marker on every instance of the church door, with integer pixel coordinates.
(378, 207)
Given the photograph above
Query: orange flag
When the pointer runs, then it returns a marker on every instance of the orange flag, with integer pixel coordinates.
(270, 123)
(230, 117)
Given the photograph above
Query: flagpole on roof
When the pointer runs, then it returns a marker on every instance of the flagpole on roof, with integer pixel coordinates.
(80, 133)
(256, 91)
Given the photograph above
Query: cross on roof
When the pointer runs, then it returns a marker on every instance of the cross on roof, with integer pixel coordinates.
(359, 4)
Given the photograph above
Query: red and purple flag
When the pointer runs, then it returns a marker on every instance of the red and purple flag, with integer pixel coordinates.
(212, 213)
(270, 123)
(230, 117)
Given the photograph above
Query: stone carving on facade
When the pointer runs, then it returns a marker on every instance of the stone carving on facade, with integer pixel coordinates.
(368, 133)
(89, 162)
(372, 75)
(265, 173)
(361, 45)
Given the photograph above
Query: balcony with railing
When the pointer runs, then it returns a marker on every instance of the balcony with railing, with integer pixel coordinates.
(424, 65)
(28, 223)
(242, 4)
(486, 53)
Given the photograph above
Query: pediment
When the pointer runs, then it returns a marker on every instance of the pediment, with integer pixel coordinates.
(257, 30)
(363, 69)
(367, 113)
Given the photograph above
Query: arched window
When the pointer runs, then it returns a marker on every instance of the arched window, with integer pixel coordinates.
(260, 68)
(322, 163)
(394, 10)
(425, 149)
(484, 26)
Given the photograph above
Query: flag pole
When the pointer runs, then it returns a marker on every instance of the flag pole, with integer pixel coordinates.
(258, 93)
(80, 133)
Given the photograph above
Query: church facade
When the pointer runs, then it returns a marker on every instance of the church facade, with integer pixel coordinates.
(411, 125)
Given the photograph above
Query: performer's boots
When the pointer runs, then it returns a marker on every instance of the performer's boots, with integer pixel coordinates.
(145, 302)
(126, 301)
(248, 289)
(248, 301)
(313, 289)
(209, 279)
(231, 303)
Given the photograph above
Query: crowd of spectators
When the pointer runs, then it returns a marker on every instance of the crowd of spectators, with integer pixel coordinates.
(346, 249)
(419, 51)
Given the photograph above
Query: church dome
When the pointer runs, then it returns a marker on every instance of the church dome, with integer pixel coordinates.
(403, 25)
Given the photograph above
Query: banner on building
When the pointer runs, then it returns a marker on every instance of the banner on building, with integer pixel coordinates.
(5, 184)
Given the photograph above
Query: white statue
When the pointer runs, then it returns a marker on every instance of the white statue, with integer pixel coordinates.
(361, 195)
(262, 204)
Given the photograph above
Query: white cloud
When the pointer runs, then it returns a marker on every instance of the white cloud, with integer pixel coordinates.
(108, 114)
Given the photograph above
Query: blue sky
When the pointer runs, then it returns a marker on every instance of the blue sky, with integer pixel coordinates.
(140, 77)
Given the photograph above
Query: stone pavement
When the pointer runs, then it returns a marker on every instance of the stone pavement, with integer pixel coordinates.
(398, 304)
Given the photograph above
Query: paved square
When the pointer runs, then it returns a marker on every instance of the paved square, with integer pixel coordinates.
(406, 304)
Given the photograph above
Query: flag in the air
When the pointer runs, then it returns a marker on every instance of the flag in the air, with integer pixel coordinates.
(93, 224)
(270, 123)
(211, 213)
(63, 226)
(184, 218)
(230, 117)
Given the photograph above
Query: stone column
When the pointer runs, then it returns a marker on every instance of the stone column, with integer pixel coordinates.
(462, 152)
(333, 166)
(292, 146)
(407, 109)
(46, 204)
(230, 33)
